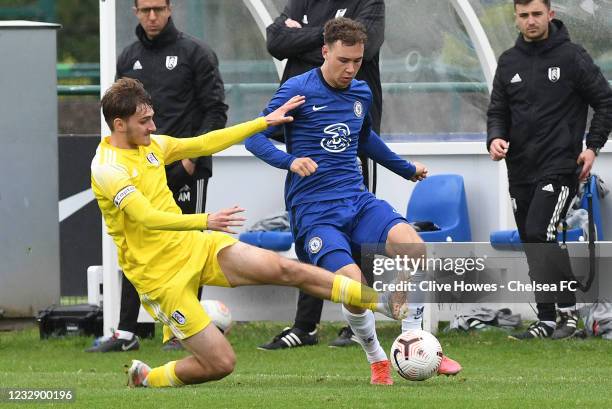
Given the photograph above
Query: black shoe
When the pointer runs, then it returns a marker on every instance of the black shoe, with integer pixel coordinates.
(173, 345)
(536, 330)
(346, 337)
(291, 338)
(581, 334)
(566, 325)
(115, 344)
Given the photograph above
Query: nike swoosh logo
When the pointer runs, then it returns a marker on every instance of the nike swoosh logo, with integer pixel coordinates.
(316, 108)
(125, 347)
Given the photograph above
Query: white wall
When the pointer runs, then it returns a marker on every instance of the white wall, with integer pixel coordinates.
(239, 178)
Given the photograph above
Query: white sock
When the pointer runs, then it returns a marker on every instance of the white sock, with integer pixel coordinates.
(568, 309)
(414, 319)
(551, 324)
(124, 334)
(364, 327)
(416, 304)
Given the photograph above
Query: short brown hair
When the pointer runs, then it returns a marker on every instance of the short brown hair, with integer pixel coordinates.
(136, 3)
(525, 2)
(349, 32)
(122, 100)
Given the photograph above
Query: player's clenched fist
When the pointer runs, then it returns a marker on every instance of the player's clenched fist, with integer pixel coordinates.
(303, 166)
(420, 173)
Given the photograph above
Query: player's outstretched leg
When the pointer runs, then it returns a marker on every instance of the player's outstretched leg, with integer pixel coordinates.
(247, 265)
(243, 264)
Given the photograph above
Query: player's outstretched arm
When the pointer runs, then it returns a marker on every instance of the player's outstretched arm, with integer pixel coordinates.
(377, 149)
(139, 209)
(216, 141)
(113, 183)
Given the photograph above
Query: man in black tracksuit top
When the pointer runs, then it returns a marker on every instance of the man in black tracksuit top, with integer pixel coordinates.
(182, 76)
(536, 122)
(297, 36)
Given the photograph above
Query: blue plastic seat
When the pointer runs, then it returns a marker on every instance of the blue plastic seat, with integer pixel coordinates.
(506, 240)
(510, 240)
(441, 199)
(271, 240)
(574, 234)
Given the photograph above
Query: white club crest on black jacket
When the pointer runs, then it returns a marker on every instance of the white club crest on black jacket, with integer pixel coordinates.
(182, 75)
(541, 95)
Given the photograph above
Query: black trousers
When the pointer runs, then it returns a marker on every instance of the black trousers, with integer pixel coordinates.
(191, 198)
(538, 209)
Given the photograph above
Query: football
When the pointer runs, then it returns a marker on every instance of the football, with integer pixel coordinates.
(416, 355)
(219, 313)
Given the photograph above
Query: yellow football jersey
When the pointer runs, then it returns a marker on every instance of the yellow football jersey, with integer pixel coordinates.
(154, 240)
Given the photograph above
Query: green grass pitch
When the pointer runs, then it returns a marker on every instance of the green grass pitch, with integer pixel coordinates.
(498, 373)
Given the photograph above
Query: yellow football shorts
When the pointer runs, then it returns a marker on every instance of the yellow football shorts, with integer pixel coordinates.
(176, 303)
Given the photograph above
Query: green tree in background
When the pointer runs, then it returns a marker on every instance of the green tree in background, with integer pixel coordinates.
(78, 39)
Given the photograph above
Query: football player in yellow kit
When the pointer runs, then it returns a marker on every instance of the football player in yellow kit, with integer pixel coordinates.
(167, 256)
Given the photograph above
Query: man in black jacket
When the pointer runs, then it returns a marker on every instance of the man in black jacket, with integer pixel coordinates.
(536, 121)
(297, 36)
(182, 76)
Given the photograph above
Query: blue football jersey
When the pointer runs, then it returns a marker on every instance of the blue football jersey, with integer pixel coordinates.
(330, 128)
(327, 129)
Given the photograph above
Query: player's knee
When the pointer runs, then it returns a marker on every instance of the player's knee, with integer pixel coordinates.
(223, 365)
(403, 240)
(420, 250)
(226, 365)
(414, 249)
(413, 236)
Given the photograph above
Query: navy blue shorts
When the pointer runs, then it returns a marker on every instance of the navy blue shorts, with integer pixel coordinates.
(341, 225)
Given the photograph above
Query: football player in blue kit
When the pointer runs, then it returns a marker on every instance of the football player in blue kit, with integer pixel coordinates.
(332, 214)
